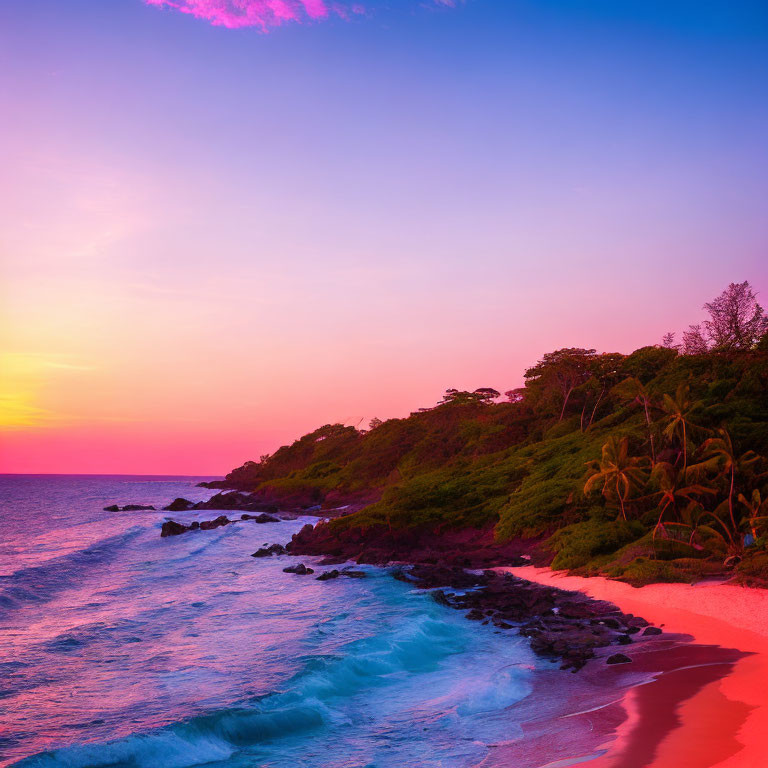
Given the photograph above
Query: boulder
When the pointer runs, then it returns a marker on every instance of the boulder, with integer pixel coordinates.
(208, 525)
(179, 505)
(268, 551)
(618, 658)
(328, 575)
(353, 574)
(113, 508)
(300, 569)
(172, 528)
(651, 631)
(137, 507)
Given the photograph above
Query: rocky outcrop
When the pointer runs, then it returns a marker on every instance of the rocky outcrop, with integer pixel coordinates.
(173, 528)
(560, 625)
(377, 545)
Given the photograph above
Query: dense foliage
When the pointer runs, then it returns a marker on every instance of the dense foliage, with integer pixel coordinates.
(648, 466)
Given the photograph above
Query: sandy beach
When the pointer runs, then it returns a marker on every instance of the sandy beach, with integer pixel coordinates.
(700, 715)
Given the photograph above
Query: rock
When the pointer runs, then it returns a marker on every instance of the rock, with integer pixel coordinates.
(624, 639)
(328, 575)
(130, 508)
(179, 505)
(208, 525)
(299, 569)
(172, 528)
(272, 549)
(353, 574)
(265, 518)
(334, 560)
(651, 631)
(618, 658)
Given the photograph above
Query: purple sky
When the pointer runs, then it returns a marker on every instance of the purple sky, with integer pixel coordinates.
(226, 222)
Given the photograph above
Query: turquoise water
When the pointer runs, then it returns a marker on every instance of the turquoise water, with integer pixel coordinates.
(119, 648)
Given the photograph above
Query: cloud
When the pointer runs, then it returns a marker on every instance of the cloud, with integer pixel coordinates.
(267, 14)
(264, 14)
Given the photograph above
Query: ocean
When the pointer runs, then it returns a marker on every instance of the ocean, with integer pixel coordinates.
(121, 648)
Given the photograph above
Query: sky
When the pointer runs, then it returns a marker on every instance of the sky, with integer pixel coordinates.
(224, 223)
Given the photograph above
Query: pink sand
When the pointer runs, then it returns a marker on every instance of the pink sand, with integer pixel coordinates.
(725, 723)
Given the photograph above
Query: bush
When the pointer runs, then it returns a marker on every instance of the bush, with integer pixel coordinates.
(576, 545)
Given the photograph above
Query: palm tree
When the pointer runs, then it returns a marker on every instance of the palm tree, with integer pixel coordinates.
(757, 508)
(678, 409)
(674, 488)
(617, 471)
(632, 389)
(720, 455)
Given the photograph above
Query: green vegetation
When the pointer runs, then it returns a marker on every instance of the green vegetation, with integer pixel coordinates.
(645, 467)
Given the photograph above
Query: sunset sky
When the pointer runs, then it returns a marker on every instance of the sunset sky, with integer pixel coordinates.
(226, 222)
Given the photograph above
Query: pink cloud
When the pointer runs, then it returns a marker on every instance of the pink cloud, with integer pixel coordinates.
(250, 13)
(267, 14)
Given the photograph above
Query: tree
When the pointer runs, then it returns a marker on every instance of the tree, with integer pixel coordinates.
(375, 422)
(694, 342)
(605, 370)
(668, 340)
(617, 471)
(482, 396)
(560, 372)
(720, 455)
(678, 409)
(758, 511)
(675, 487)
(632, 389)
(736, 321)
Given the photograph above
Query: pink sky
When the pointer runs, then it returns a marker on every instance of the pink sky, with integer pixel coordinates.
(215, 240)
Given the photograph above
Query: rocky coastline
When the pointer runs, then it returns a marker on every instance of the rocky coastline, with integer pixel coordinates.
(457, 566)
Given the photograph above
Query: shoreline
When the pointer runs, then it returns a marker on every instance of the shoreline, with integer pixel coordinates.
(717, 723)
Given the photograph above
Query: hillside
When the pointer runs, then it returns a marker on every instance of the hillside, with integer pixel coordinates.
(647, 466)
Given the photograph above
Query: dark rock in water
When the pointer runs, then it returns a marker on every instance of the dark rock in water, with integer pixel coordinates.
(129, 508)
(299, 569)
(272, 549)
(333, 560)
(618, 658)
(172, 528)
(438, 596)
(208, 525)
(265, 518)
(179, 505)
(328, 575)
(353, 574)
(194, 525)
(560, 625)
(651, 631)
